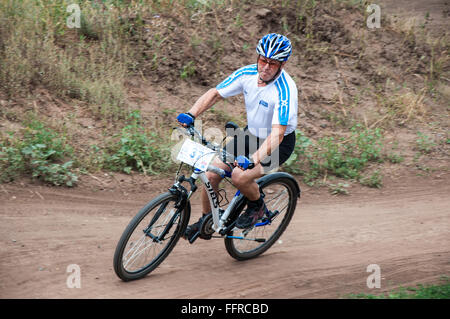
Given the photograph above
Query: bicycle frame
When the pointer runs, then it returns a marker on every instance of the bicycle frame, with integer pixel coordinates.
(218, 221)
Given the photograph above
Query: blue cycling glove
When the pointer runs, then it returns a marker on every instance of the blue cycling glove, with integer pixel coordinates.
(186, 118)
(244, 162)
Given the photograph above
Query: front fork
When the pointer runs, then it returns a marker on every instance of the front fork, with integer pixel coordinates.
(182, 202)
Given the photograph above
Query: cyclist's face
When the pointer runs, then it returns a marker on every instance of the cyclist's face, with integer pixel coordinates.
(267, 68)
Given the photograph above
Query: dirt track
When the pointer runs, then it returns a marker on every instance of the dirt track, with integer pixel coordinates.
(404, 228)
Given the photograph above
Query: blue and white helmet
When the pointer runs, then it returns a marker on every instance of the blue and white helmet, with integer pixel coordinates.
(274, 46)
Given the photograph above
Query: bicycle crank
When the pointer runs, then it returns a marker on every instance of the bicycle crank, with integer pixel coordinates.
(206, 229)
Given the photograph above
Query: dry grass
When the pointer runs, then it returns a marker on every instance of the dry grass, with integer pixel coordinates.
(45, 53)
(410, 105)
(401, 107)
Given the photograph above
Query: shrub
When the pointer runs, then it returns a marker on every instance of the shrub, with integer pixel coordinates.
(40, 152)
(424, 143)
(341, 157)
(138, 148)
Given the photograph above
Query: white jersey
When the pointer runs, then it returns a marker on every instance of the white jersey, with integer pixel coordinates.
(275, 103)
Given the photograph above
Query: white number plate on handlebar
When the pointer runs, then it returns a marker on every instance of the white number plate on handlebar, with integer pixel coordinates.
(195, 154)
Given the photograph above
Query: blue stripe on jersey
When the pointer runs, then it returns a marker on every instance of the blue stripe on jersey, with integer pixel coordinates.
(286, 115)
(284, 99)
(251, 70)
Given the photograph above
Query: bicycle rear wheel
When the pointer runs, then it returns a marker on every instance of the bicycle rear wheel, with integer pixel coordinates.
(150, 237)
(281, 200)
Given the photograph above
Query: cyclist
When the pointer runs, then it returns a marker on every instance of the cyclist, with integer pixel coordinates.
(271, 100)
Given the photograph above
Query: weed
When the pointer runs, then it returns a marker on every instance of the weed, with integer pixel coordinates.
(373, 181)
(137, 148)
(195, 41)
(403, 106)
(40, 152)
(395, 158)
(339, 189)
(12, 163)
(341, 157)
(238, 21)
(424, 143)
(188, 70)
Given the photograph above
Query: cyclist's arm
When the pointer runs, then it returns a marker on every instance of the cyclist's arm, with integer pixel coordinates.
(205, 102)
(271, 143)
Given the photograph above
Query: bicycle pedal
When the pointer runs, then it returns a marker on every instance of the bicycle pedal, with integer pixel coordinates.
(196, 235)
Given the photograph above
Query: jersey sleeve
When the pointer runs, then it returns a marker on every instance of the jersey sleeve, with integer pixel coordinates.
(287, 102)
(232, 85)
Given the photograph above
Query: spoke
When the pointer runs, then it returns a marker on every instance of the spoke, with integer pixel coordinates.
(279, 198)
(146, 245)
(145, 249)
(281, 209)
(135, 256)
(280, 194)
(135, 247)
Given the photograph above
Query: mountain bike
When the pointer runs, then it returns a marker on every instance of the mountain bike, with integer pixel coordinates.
(155, 230)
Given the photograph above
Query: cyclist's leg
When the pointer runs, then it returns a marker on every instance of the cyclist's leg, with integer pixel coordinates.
(215, 180)
(245, 181)
(247, 144)
(280, 155)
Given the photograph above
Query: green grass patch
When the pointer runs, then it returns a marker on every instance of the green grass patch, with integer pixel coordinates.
(424, 143)
(136, 147)
(37, 151)
(439, 291)
(344, 157)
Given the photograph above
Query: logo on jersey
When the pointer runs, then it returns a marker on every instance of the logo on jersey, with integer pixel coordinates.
(263, 103)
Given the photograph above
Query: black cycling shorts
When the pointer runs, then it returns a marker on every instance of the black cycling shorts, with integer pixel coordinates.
(245, 143)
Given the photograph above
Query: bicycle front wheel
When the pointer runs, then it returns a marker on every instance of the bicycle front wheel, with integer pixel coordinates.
(281, 200)
(150, 237)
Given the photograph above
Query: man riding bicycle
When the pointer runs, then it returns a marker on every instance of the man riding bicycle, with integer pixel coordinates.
(271, 100)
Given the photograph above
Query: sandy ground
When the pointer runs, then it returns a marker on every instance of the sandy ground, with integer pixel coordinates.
(324, 253)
